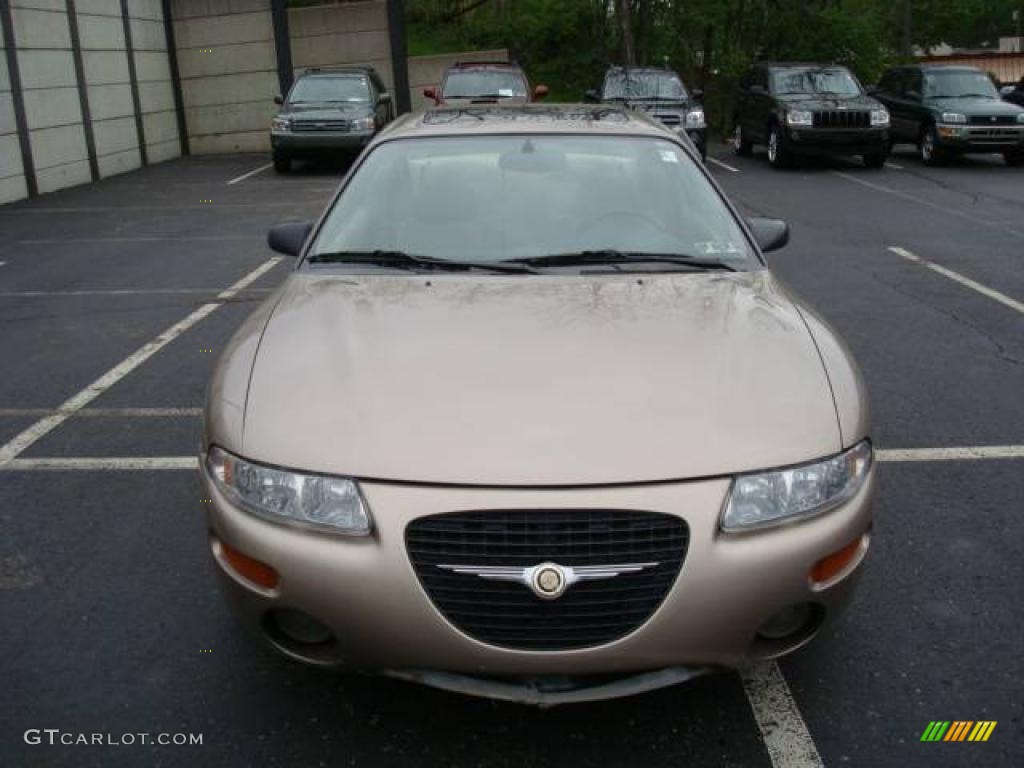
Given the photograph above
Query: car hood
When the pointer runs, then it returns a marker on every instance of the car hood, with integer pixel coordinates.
(537, 380)
(328, 111)
(976, 106)
(814, 102)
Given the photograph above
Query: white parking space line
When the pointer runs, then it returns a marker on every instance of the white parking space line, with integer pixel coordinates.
(720, 164)
(782, 727)
(253, 172)
(966, 453)
(102, 464)
(120, 292)
(929, 204)
(131, 413)
(889, 164)
(1002, 298)
(23, 440)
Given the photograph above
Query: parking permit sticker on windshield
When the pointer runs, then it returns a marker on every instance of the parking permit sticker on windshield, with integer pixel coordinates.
(506, 92)
(716, 247)
(668, 156)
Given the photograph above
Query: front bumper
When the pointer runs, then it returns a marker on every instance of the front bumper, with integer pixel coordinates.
(835, 141)
(315, 142)
(364, 589)
(980, 138)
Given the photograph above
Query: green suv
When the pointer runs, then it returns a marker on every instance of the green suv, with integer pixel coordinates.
(328, 111)
(947, 110)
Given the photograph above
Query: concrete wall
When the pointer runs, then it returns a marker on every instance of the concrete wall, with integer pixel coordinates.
(228, 69)
(349, 33)
(12, 176)
(59, 134)
(426, 71)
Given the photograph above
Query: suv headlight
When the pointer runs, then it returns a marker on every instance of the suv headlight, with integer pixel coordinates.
(317, 501)
(1020, 118)
(695, 118)
(800, 117)
(954, 117)
(363, 124)
(280, 125)
(879, 117)
(770, 498)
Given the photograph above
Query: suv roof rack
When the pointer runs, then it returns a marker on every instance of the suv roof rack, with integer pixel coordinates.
(340, 68)
(487, 63)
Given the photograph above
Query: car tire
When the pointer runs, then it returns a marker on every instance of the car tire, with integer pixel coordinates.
(282, 163)
(1014, 159)
(740, 144)
(928, 146)
(875, 160)
(778, 157)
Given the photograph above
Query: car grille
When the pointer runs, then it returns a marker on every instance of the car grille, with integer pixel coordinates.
(669, 119)
(509, 614)
(842, 118)
(992, 120)
(305, 125)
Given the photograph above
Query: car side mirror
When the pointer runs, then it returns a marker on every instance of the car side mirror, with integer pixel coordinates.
(385, 98)
(279, 99)
(770, 234)
(698, 95)
(540, 92)
(913, 95)
(756, 88)
(288, 238)
(592, 97)
(430, 93)
(872, 90)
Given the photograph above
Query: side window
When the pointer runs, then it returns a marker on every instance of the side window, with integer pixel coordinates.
(761, 78)
(914, 82)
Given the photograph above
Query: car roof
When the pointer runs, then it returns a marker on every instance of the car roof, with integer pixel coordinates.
(525, 119)
(462, 65)
(800, 64)
(354, 69)
(662, 70)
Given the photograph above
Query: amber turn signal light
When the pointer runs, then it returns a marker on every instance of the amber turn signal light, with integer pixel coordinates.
(831, 566)
(250, 569)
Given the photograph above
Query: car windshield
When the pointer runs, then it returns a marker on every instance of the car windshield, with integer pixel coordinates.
(958, 84)
(319, 90)
(489, 83)
(815, 80)
(497, 198)
(644, 85)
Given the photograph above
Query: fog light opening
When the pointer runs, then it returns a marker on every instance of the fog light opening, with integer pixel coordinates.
(299, 635)
(787, 622)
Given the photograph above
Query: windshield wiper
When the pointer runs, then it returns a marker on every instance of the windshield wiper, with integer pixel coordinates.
(403, 260)
(613, 256)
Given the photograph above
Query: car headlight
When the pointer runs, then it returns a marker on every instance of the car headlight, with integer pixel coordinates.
(800, 117)
(280, 125)
(695, 118)
(363, 124)
(318, 501)
(879, 117)
(770, 498)
(954, 117)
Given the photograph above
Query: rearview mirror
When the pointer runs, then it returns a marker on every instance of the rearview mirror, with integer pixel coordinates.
(430, 93)
(540, 92)
(279, 99)
(770, 234)
(288, 238)
(591, 97)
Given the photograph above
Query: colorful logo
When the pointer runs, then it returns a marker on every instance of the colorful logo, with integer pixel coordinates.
(958, 730)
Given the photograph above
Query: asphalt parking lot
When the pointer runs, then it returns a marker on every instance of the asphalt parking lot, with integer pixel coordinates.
(115, 299)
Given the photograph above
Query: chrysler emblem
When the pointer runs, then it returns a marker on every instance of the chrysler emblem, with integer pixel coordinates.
(548, 580)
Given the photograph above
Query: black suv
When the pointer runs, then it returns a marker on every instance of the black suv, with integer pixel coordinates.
(659, 93)
(802, 109)
(335, 110)
(947, 110)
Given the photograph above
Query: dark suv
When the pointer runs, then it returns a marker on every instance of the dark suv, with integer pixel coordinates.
(329, 111)
(803, 109)
(947, 110)
(661, 94)
(484, 82)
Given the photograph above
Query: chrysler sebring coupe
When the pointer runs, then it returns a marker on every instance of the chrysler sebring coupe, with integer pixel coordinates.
(532, 419)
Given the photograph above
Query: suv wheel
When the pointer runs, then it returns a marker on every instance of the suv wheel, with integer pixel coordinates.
(931, 152)
(777, 154)
(740, 145)
(874, 160)
(282, 163)
(1014, 157)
